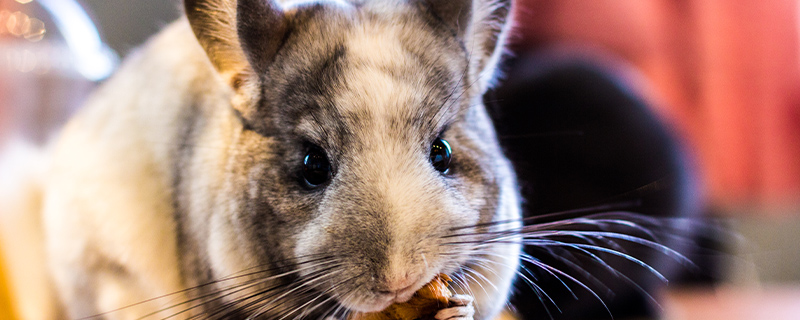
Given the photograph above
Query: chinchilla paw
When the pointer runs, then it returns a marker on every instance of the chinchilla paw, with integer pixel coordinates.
(460, 308)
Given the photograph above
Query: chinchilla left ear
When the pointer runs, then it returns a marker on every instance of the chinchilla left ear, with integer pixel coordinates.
(482, 26)
(240, 37)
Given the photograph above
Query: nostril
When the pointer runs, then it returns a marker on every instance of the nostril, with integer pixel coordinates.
(395, 291)
(399, 283)
(386, 292)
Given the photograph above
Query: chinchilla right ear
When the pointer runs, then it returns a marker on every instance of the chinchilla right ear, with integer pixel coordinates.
(240, 37)
(482, 26)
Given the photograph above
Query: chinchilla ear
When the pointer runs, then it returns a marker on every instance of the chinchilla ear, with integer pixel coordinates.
(241, 37)
(482, 26)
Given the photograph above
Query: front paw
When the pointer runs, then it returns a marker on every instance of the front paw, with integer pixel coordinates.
(460, 308)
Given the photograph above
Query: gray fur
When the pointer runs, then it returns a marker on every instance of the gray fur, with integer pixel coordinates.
(223, 132)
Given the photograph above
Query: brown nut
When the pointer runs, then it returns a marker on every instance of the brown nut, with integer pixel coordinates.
(424, 305)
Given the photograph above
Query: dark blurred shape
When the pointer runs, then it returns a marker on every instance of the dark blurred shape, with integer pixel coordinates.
(728, 71)
(580, 135)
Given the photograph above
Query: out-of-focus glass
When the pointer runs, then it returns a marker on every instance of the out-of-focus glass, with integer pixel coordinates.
(51, 56)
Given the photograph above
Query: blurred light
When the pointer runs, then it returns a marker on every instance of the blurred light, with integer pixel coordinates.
(21, 25)
(16, 23)
(93, 59)
(43, 66)
(24, 1)
(35, 30)
(4, 15)
(28, 62)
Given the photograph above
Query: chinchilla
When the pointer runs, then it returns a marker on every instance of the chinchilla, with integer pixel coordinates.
(308, 160)
(304, 159)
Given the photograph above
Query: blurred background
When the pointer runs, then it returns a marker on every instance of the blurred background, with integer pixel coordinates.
(724, 75)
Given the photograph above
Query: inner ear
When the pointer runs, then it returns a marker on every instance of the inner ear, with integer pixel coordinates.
(262, 27)
(482, 25)
(456, 14)
(240, 37)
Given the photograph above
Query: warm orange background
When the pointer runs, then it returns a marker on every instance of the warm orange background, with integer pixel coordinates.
(727, 72)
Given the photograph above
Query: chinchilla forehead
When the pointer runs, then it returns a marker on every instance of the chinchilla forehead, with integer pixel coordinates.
(350, 72)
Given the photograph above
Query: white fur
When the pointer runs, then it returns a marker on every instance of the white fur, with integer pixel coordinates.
(108, 198)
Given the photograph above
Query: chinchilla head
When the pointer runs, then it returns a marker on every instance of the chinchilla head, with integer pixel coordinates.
(362, 140)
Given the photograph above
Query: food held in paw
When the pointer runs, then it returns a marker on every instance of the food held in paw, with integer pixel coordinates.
(426, 302)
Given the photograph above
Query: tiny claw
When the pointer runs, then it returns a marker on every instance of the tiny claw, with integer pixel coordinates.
(460, 309)
(461, 300)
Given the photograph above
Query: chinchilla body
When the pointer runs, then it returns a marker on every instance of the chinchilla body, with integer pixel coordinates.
(190, 168)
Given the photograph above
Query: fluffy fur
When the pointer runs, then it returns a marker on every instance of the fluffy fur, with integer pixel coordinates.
(183, 169)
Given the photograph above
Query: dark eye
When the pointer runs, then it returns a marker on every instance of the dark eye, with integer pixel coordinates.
(440, 155)
(316, 168)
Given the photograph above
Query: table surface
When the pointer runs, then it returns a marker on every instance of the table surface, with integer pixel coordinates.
(774, 302)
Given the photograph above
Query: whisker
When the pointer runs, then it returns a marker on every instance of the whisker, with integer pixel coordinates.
(540, 291)
(468, 273)
(611, 269)
(584, 248)
(582, 271)
(233, 304)
(587, 236)
(596, 220)
(301, 291)
(633, 239)
(460, 282)
(558, 214)
(197, 287)
(552, 274)
(339, 311)
(535, 287)
(345, 313)
(530, 233)
(331, 289)
(545, 266)
(302, 285)
(241, 287)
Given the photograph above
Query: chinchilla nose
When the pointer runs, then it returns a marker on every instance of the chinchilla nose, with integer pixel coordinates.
(400, 283)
